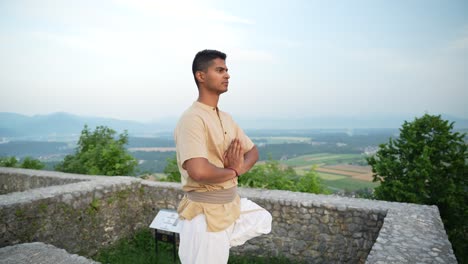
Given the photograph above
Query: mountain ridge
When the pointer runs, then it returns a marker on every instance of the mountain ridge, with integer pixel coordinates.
(63, 123)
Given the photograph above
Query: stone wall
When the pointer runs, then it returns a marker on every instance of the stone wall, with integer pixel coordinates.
(310, 228)
(39, 252)
(91, 212)
(19, 183)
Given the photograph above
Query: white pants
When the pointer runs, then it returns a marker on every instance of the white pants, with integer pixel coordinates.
(197, 246)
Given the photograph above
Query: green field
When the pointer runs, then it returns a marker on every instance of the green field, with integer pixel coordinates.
(331, 176)
(322, 159)
(283, 140)
(333, 181)
(337, 182)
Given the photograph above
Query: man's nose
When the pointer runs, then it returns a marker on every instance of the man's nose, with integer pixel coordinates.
(227, 76)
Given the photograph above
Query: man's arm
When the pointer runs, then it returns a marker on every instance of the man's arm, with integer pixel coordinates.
(201, 170)
(250, 158)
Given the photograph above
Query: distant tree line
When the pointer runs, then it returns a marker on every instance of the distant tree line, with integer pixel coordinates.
(151, 166)
(139, 142)
(33, 148)
(152, 155)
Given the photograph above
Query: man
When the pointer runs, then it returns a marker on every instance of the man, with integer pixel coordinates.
(212, 152)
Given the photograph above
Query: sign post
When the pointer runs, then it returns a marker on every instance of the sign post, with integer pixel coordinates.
(166, 227)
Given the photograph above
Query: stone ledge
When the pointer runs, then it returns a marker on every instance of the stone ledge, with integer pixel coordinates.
(39, 252)
(50, 174)
(411, 233)
(85, 184)
(405, 233)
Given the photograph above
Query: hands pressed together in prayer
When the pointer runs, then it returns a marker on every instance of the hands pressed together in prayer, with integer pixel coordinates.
(234, 157)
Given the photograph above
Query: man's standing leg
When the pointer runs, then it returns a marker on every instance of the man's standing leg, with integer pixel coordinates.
(197, 245)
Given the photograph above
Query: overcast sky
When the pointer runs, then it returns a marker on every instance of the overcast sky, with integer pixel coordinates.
(131, 59)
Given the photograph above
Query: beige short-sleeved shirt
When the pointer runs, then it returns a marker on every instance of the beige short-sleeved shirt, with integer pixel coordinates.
(206, 132)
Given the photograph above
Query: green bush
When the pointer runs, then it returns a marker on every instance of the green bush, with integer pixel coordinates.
(172, 170)
(272, 175)
(27, 163)
(100, 153)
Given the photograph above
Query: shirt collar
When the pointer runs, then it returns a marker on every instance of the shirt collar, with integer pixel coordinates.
(204, 106)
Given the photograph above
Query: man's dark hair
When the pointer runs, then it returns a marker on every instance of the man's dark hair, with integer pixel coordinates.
(203, 59)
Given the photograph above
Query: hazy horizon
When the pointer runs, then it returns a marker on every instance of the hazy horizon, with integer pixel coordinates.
(131, 60)
(165, 118)
(62, 121)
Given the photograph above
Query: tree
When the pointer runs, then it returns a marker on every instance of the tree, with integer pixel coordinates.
(100, 153)
(28, 163)
(172, 170)
(427, 164)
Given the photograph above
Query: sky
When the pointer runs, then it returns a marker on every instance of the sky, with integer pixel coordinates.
(131, 59)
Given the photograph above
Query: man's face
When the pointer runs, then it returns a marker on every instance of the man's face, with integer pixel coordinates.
(217, 77)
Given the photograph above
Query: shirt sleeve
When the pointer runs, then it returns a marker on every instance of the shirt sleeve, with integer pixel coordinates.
(190, 139)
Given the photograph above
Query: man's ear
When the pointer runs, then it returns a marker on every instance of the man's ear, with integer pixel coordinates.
(200, 76)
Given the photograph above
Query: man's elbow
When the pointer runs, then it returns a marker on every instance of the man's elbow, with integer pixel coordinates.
(255, 154)
(196, 169)
(196, 175)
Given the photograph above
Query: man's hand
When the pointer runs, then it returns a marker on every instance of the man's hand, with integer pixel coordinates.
(234, 157)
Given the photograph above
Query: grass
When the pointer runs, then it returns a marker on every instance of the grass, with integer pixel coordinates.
(140, 249)
(233, 259)
(333, 181)
(137, 249)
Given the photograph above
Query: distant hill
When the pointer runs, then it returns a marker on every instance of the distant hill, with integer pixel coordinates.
(64, 124)
(58, 126)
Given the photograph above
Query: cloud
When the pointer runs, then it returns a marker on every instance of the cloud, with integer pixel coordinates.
(251, 55)
(140, 31)
(103, 42)
(184, 11)
(385, 59)
(460, 44)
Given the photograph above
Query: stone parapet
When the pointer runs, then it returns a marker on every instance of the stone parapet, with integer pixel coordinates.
(83, 214)
(39, 252)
